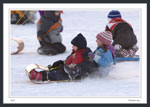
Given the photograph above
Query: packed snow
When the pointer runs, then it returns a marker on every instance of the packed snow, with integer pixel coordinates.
(123, 79)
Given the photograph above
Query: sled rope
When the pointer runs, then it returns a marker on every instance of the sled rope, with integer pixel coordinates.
(47, 75)
(50, 70)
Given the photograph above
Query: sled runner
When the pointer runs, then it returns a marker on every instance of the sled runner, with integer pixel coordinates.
(20, 45)
(136, 58)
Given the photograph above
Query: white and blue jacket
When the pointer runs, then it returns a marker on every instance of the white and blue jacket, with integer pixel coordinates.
(103, 59)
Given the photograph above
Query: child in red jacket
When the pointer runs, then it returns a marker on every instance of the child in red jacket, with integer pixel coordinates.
(66, 70)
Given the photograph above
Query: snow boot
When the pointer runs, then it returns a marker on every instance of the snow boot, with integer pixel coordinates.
(46, 51)
(59, 47)
(34, 75)
(124, 53)
(133, 51)
(73, 73)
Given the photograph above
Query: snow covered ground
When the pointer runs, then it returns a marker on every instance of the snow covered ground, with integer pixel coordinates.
(123, 80)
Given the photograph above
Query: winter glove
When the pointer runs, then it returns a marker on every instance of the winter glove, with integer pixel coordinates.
(49, 67)
(118, 47)
(58, 63)
(91, 55)
(97, 56)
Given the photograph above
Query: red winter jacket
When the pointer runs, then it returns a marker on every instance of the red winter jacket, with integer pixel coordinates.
(76, 57)
(122, 33)
(114, 22)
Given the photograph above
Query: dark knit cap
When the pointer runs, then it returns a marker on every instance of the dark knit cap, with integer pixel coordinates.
(79, 41)
(113, 14)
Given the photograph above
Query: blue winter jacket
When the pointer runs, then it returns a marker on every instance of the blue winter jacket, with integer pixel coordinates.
(105, 59)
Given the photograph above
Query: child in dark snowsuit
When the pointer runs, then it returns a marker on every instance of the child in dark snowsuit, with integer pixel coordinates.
(48, 33)
(74, 67)
(124, 39)
(104, 54)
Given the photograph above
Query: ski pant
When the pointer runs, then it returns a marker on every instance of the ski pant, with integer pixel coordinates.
(55, 75)
(82, 70)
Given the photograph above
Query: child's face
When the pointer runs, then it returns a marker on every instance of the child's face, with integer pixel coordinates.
(99, 43)
(75, 48)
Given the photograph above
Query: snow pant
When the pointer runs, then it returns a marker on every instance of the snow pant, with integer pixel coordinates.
(55, 75)
(64, 72)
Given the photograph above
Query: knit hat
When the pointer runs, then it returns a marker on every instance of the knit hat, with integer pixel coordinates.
(113, 14)
(79, 41)
(105, 37)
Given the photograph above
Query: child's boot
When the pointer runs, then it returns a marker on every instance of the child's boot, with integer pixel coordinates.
(34, 75)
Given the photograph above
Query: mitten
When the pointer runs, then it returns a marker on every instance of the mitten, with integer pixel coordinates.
(58, 63)
(97, 56)
(49, 67)
(118, 47)
(91, 55)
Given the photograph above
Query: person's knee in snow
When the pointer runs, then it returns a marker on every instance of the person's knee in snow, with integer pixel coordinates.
(123, 34)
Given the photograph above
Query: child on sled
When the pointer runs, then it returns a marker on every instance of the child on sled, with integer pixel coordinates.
(49, 28)
(104, 54)
(71, 68)
(124, 39)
